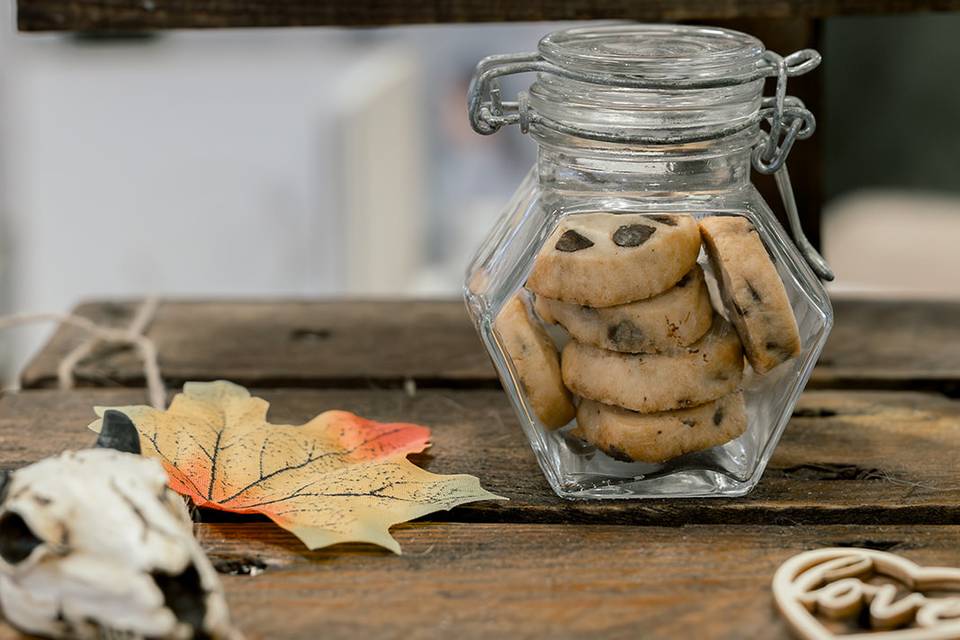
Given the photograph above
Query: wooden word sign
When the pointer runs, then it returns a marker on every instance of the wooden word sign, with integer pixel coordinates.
(862, 593)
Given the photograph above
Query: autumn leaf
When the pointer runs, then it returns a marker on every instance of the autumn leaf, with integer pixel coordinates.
(337, 478)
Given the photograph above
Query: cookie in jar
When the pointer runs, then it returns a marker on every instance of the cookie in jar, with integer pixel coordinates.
(651, 321)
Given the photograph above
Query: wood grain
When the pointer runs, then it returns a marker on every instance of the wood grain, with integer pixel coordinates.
(284, 343)
(864, 468)
(847, 457)
(535, 581)
(133, 15)
(530, 581)
(892, 345)
(887, 345)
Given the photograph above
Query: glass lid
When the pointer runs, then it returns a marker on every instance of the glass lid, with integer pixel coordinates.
(665, 52)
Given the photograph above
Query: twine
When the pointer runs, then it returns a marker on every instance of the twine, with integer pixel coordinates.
(133, 335)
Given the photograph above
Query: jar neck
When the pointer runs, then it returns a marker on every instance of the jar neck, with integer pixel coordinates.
(569, 165)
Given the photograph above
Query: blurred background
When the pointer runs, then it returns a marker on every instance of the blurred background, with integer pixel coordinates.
(317, 162)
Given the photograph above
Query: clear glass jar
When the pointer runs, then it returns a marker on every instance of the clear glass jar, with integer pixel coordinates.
(636, 264)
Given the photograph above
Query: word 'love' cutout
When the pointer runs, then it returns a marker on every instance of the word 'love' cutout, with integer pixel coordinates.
(860, 586)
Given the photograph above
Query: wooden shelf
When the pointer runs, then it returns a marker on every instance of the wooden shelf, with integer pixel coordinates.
(146, 15)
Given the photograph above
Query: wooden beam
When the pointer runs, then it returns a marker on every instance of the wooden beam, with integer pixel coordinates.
(139, 15)
(534, 581)
(888, 345)
(846, 458)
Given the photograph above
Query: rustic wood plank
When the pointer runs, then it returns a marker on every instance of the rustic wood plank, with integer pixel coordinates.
(892, 345)
(285, 343)
(129, 15)
(889, 345)
(848, 457)
(526, 581)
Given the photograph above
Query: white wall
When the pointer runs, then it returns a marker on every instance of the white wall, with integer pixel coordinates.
(245, 163)
(190, 164)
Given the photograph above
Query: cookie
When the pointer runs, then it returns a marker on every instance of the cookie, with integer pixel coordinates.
(606, 259)
(629, 436)
(536, 363)
(752, 291)
(676, 318)
(706, 370)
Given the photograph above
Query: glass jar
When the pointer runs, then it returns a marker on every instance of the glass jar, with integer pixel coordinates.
(651, 321)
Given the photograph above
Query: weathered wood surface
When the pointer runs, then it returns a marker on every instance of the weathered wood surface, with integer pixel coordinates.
(534, 581)
(847, 457)
(130, 15)
(280, 343)
(530, 581)
(893, 345)
(886, 345)
(873, 468)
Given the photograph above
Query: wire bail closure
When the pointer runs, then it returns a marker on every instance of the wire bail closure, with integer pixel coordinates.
(787, 117)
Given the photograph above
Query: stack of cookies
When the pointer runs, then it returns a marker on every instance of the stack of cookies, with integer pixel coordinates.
(656, 369)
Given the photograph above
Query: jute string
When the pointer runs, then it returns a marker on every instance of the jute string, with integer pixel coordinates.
(132, 335)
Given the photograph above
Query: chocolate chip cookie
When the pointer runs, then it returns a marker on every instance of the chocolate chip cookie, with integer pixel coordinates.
(706, 370)
(535, 360)
(752, 291)
(676, 318)
(656, 437)
(606, 259)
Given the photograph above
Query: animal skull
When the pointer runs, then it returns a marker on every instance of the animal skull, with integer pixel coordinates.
(93, 543)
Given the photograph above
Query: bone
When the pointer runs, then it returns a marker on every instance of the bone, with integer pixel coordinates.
(93, 544)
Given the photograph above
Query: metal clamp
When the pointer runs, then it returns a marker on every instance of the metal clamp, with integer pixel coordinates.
(787, 117)
(789, 121)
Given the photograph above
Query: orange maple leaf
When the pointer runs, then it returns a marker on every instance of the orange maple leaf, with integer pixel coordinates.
(337, 478)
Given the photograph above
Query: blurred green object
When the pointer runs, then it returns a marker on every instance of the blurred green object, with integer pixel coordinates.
(891, 98)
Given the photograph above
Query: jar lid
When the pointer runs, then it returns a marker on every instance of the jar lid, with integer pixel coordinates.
(675, 55)
(639, 84)
(668, 83)
(646, 84)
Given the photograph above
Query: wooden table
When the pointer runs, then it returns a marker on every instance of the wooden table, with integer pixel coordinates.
(870, 459)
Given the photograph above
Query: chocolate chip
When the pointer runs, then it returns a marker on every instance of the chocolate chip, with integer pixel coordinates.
(617, 453)
(689, 423)
(625, 334)
(632, 235)
(784, 353)
(718, 416)
(670, 221)
(572, 241)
